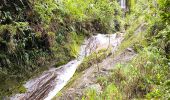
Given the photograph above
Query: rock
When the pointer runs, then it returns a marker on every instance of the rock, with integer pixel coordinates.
(104, 69)
(130, 49)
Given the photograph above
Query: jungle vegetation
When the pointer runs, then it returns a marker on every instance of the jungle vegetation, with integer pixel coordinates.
(36, 34)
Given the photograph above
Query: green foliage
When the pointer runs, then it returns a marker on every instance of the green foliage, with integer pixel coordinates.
(81, 10)
(164, 12)
(144, 76)
(68, 47)
(147, 75)
(75, 43)
(154, 94)
(22, 89)
(45, 9)
(109, 93)
(92, 59)
(91, 94)
(35, 32)
(76, 8)
(10, 28)
(102, 81)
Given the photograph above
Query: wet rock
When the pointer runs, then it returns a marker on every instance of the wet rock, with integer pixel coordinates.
(130, 49)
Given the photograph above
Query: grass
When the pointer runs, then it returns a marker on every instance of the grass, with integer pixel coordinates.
(70, 50)
(138, 78)
(74, 43)
(94, 58)
(110, 92)
(146, 76)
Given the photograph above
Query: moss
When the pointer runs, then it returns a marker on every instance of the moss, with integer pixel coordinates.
(10, 86)
(22, 89)
(60, 63)
(94, 58)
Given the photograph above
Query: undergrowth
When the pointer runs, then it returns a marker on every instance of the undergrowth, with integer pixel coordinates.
(93, 59)
(36, 33)
(147, 75)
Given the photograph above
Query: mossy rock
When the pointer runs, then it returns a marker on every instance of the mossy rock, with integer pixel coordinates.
(22, 89)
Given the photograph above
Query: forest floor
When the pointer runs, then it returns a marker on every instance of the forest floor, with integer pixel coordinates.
(88, 78)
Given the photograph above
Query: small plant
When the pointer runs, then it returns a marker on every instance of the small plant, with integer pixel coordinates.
(91, 94)
(45, 9)
(22, 89)
(91, 59)
(111, 93)
(103, 81)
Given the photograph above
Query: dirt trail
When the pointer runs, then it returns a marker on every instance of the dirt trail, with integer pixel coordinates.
(89, 76)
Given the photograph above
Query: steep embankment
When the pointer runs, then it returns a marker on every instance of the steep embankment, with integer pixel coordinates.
(36, 34)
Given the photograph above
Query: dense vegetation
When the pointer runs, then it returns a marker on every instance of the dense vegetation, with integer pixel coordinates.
(36, 33)
(147, 76)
